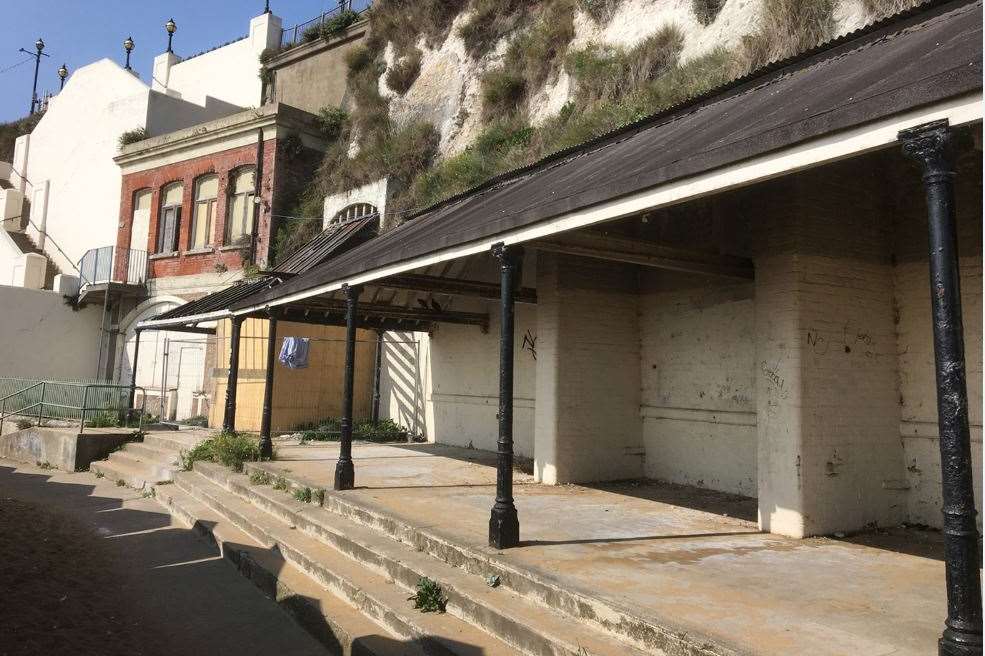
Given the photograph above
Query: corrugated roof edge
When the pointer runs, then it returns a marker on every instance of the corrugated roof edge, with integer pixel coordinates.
(753, 77)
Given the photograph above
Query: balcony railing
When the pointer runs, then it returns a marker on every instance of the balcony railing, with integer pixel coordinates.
(310, 30)
(113, 264)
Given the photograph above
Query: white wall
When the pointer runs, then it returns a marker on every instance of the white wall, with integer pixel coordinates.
(72, 150)
(225, 79)
(699, 381)
(45, 337)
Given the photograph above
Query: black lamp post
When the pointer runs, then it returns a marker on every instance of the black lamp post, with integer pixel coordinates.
(171, 28)
(266, 7)
(62, 74)
(38, 46)
(128, 46)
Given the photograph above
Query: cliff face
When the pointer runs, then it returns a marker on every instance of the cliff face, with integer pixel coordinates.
(448, 90)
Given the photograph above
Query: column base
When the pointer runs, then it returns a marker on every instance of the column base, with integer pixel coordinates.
(960, 645)
(266, 448)
(345, 475)
(504, 527)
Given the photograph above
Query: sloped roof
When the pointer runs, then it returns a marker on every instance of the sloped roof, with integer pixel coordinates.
(914, 59)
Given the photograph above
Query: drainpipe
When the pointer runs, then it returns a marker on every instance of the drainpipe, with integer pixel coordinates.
(257, 201)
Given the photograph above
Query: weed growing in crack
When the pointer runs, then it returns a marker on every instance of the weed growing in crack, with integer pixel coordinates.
(303, 494)
(281, 483)
(429, 598)
(259, 477)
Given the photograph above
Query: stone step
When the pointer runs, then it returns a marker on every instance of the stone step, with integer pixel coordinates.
(153, 453)
(529, 627)
(342, 629)
(156, 471)
(376, 596)
(135, 477)
(646, 632)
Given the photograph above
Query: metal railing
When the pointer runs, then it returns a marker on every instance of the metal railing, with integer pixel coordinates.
(310, 30)
(113, 264)
(43, 400)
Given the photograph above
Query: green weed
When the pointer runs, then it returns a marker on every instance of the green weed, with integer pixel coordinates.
(229, 449)
(259, 477)
(303, 494)
(429, 597)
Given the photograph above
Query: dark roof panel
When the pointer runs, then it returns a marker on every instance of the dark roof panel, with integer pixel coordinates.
(337, 238)
(898, 65)
(216, 301)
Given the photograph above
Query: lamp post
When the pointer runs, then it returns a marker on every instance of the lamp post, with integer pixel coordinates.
(171, 28)
(266, 7)
(62, 74)
(128, 46)
(39, 47)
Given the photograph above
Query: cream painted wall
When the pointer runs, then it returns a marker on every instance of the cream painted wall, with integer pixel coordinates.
(35, 341)
(699, 381)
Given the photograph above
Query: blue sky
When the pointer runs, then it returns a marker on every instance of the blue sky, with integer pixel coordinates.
(77, 32)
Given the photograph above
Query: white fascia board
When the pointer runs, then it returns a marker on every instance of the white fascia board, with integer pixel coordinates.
(164, 324)
(960, 110)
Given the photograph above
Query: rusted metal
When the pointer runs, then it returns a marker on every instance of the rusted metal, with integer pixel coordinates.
(930, 145)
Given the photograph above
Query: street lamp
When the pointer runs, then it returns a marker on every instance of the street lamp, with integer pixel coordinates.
(62, 74)
(38, 46)
(128, 46)
(171, 27)
(266, 7)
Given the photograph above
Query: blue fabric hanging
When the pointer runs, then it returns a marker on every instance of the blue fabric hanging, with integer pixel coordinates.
(294, 352)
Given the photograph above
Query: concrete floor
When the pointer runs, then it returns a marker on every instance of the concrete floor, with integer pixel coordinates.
(682, 556)
(122, 578)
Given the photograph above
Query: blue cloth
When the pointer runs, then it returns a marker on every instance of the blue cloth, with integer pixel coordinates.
(294, 352)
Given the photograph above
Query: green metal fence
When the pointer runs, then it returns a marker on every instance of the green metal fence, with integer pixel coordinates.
(88, 402)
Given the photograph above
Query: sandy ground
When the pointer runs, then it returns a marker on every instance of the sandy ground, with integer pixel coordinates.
(87, 567)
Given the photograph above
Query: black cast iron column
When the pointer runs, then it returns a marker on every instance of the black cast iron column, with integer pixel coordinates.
(133, 378)
(377, 365)
(930, 146)
(504, 525)
(229, 418)
(345, 476)
(266, 445)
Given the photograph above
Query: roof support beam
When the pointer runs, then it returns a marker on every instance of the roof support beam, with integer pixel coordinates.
(182, 329)
(369, 311)
(453, 287)
(322, 317)
(647, 253)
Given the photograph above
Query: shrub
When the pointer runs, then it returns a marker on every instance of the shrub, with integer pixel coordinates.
(311, 33)
(229, 449)
(332, 122)
(429, 597)
(490, 21)
(502, 92)
(431, 19)
(132, 136)
(338, 24)
(600, 10)
(23, 424)
(879, 9)
(404, 72)
(280, 483)
(706, 11)
(104, 419)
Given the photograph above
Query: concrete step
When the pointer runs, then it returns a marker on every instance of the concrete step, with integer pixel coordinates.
(529, 627)
(135, 477)
(155, 470)
(173, 441)
(372, 593)
(153, 453)
(342, 629)
(628, 625)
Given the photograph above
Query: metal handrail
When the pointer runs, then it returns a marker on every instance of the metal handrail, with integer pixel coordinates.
(298, 30)
(83, 409)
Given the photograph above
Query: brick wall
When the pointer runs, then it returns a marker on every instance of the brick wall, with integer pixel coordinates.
(223, 164)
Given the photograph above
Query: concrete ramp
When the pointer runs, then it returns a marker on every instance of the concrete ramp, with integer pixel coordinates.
(63, 448)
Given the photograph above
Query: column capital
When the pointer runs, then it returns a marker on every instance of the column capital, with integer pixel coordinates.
(351, 292)
(274, 313)
(508, 255)
(931, 146)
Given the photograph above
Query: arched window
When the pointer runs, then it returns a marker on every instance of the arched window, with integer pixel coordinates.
(239, 217)
(170, 218)
(354, 211)
(203, 217)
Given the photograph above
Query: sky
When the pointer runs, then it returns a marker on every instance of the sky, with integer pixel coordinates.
(79, 32)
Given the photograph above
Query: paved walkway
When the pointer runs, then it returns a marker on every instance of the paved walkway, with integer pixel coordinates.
(682, 556)
(92, 568)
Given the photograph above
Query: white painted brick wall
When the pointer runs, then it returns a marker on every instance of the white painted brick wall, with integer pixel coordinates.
(698, 379)
(588, 425)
